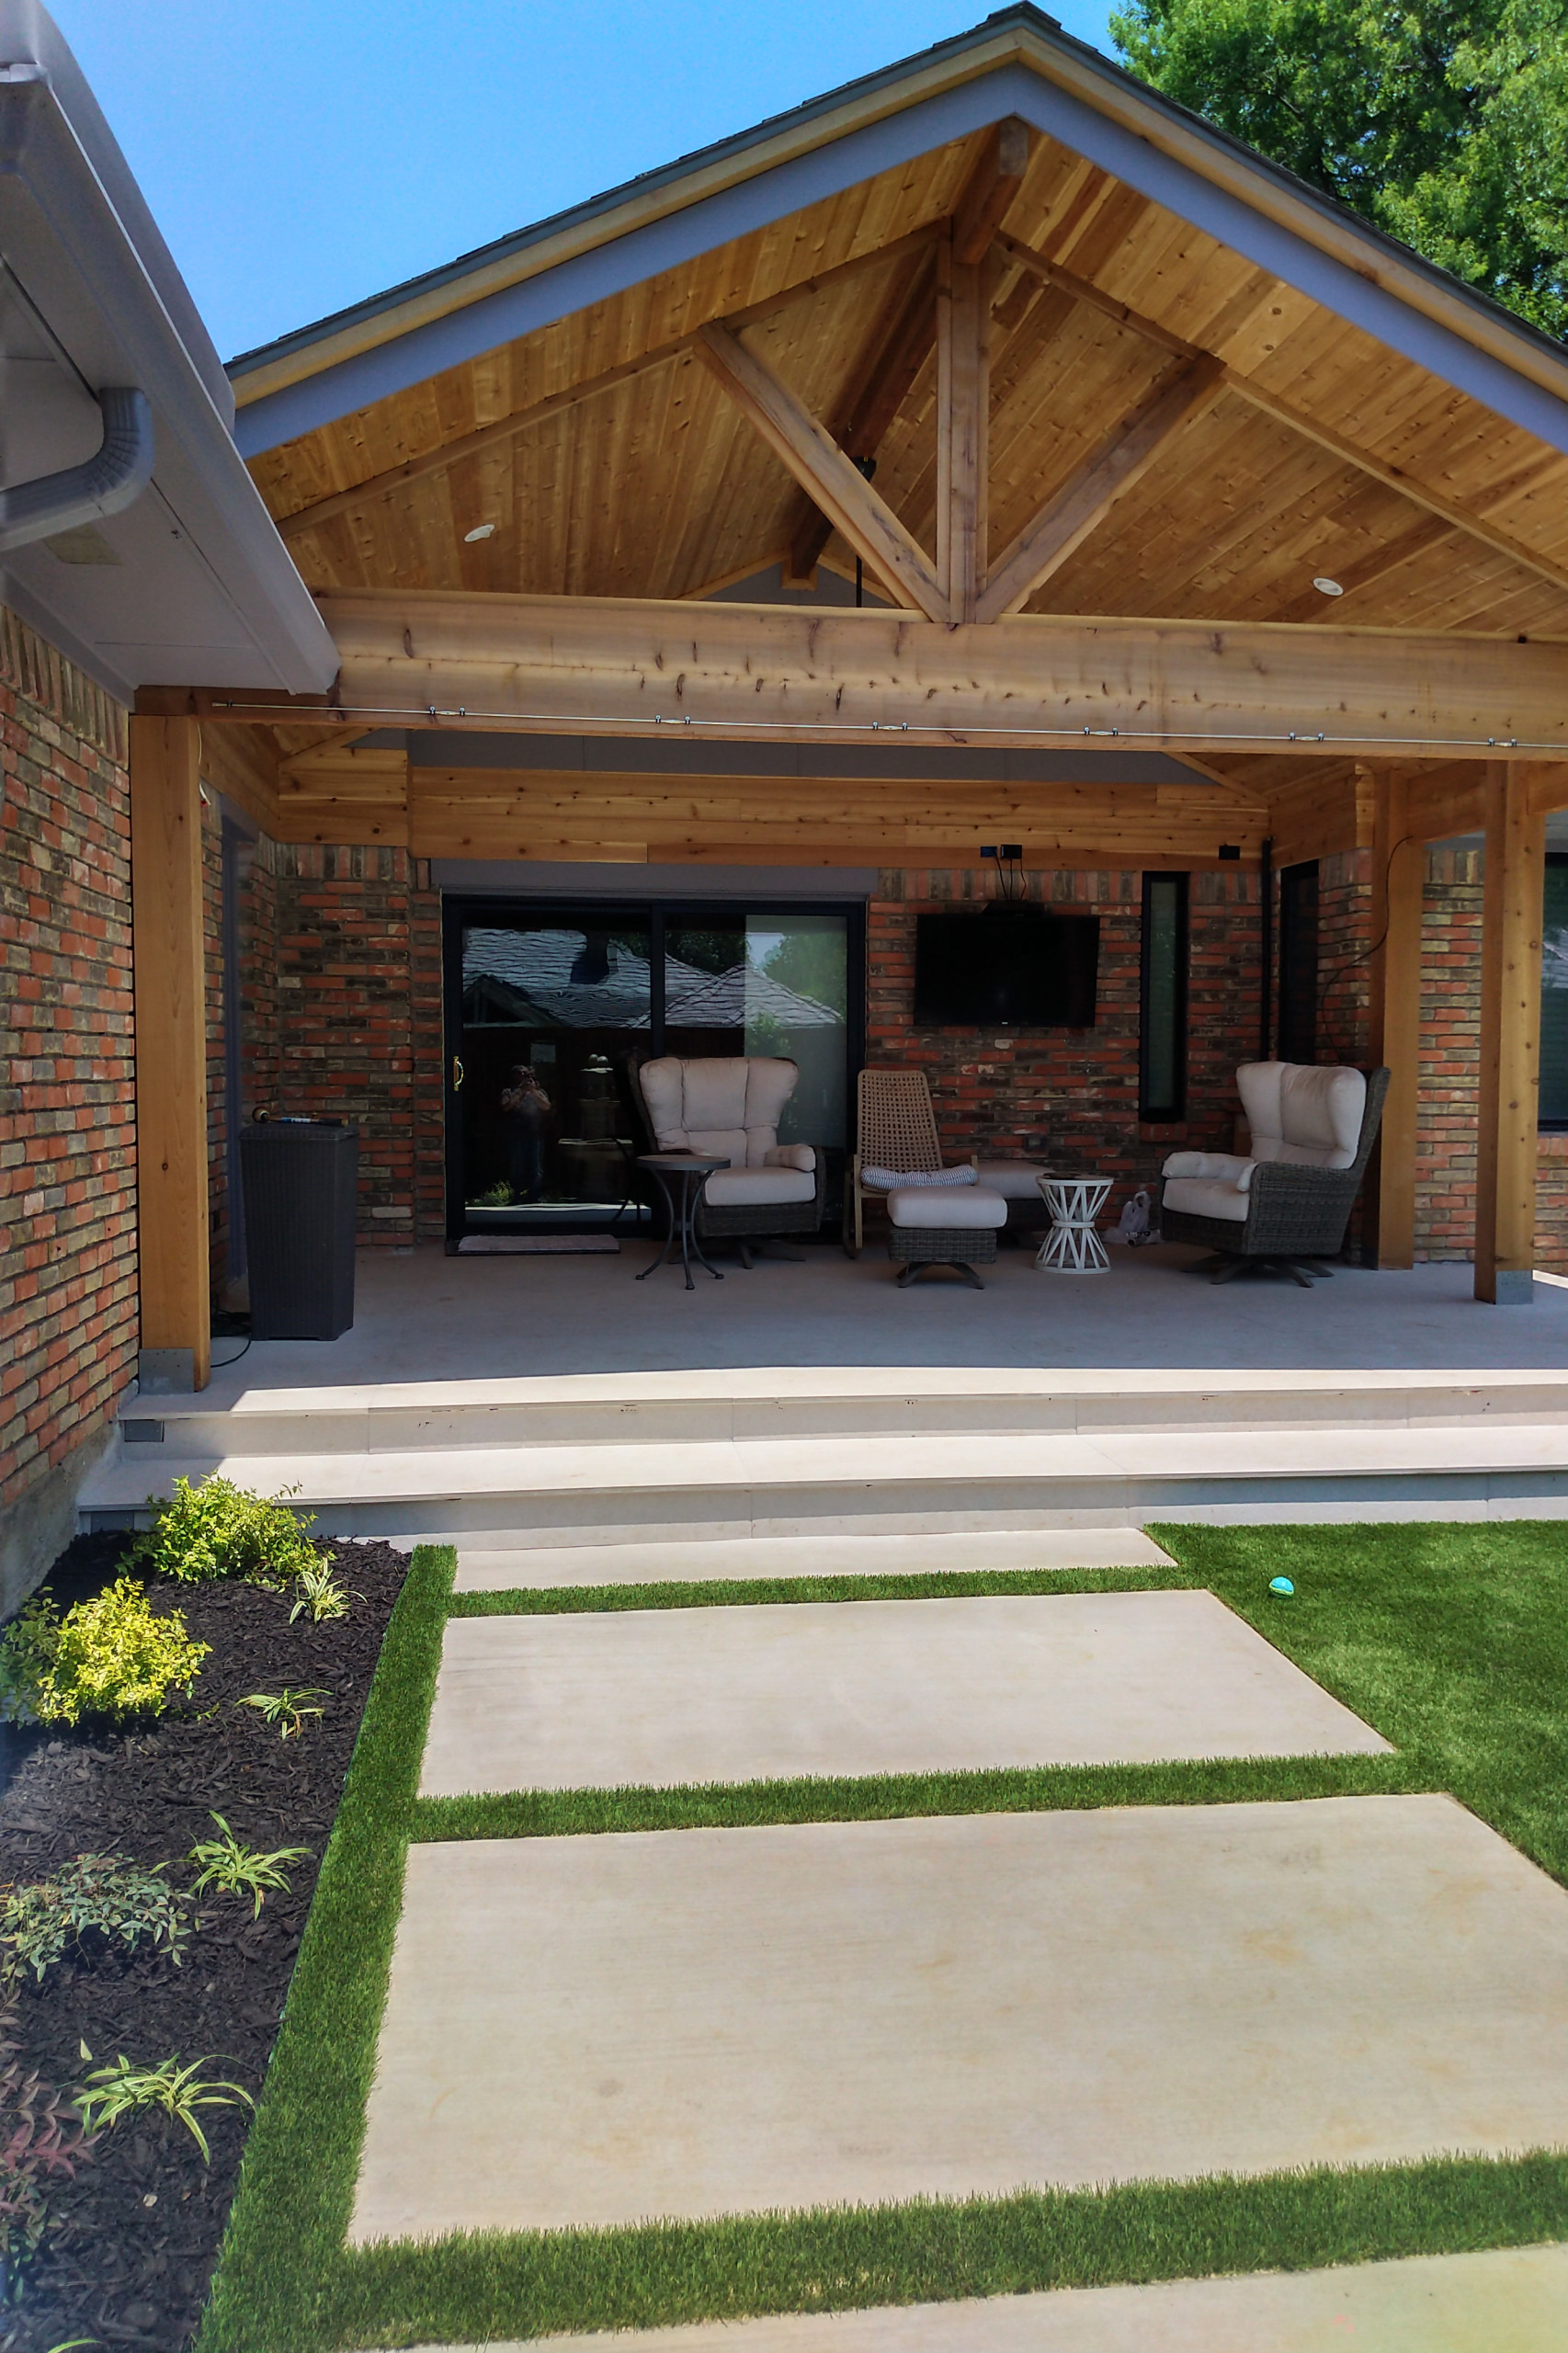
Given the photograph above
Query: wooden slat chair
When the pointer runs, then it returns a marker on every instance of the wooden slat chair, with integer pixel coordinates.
(895, 1129)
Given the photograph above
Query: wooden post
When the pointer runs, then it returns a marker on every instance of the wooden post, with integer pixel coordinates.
(169, 965)
(1510, 1039)
(1399, 865)
(963, 419)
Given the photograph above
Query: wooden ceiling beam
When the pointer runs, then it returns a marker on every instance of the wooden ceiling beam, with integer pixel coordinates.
(989, 192)
(1092, 489)
(1284, 412)
(823, 470)
(611, 666)
(963, 430)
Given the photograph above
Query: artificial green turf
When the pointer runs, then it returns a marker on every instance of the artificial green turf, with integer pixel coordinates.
(282, 2251)
(1451, 1640)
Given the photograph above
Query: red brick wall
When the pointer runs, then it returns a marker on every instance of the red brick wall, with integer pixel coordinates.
(1071, 1095)
(68, 1305)
(341, 957)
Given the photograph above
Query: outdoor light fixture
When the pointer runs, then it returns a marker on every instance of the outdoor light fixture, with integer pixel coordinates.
(1329, 587)
(484, 531)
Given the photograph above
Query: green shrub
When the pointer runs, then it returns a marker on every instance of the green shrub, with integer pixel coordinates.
(220, 1530)
(109, 1657)
(107, 1892)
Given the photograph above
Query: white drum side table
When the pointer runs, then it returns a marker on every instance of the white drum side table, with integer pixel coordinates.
(1073, 1247)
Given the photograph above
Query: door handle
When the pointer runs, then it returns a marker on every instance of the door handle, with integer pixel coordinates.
(457, 1073)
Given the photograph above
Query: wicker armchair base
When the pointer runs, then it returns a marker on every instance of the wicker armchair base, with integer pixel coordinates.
(768, 1223)
(962, 1248)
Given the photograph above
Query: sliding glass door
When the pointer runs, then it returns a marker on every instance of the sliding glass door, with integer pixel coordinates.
(551, 1009)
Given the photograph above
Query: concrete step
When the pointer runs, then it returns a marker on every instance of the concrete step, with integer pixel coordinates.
(897, 1481)
(788, 1402)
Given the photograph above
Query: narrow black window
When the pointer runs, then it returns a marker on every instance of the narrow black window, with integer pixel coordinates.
(1554, 995)
(1299, 963)
(1162, 1057)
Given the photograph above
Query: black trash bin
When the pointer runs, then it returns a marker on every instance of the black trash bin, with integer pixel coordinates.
(300, 1181)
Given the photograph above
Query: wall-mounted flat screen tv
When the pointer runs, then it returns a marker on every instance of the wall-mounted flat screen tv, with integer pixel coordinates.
(1008, 966)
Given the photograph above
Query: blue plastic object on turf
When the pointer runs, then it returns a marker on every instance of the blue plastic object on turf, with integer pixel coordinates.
(1281, 1585)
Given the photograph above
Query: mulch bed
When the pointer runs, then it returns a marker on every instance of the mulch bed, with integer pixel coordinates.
(129, 2257)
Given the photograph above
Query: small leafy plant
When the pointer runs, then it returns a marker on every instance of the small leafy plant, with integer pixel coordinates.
(217, 1530)
(111, 1656)
(41, 2141)
(286, 1708)
(320, 1596)
(110, 2093)
(234, 1869)
(105, 1895)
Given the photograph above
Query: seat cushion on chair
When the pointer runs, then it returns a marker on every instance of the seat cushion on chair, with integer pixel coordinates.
(1307, 1113)
(1225, 1164)
(1205, 1196)
(936, 1205)
(759, 1188)
(1015, 1180)
(898, 1180)
(724, 1106)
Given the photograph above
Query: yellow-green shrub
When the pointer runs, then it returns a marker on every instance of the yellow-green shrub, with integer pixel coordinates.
(220, 1530)
(109, 1657)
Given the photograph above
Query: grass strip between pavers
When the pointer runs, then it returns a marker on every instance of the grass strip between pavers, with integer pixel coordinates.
(1451, 1638)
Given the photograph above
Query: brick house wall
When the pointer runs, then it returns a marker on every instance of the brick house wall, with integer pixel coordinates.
(340, 961)
(68, 1299)
(1071, 1095)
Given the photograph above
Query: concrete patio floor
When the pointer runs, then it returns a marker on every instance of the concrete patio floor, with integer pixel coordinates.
(426, 1317)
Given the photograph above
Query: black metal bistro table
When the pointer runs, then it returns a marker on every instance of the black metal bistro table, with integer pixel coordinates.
(693, 1170)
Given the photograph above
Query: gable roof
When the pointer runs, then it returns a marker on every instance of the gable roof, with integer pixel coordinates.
(1019, 61)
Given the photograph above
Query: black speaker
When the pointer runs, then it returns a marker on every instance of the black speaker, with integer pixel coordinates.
(300, 1189)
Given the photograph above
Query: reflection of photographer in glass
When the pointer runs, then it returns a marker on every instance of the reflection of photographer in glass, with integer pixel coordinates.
(525, 1108)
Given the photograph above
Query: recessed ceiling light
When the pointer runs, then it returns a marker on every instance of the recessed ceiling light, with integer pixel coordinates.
(483, 531)
(1329, 587)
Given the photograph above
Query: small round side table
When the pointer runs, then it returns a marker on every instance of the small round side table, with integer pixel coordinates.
(1073, 1247)
(693, 1171)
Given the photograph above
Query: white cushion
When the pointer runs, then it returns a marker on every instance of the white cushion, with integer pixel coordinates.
(1204, 1197)
(727, 1107)
(1307, 1113)
(791, 1156)
(893, 1180)
(1015, 1180)
(947, 1205)
(757, 1188)
(1227, 1164)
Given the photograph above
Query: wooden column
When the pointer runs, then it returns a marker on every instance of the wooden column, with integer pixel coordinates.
(1399, 865)
(1510, 1039)
(169, 964)
(963, 418)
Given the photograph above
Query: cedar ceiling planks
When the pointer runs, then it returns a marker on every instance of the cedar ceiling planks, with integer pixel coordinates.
(657, 486)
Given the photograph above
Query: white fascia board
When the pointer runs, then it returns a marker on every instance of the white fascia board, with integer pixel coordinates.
(71, 252)
(682, 236)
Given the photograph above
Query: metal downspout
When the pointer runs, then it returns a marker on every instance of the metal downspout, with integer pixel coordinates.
(103, 484)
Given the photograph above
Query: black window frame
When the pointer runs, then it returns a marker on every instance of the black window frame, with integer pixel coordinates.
(459, 908)
(1288, 1026)
(1151, 1114)
(1559, 858)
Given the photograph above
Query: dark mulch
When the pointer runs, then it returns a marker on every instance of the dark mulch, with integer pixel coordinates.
(139, 2228)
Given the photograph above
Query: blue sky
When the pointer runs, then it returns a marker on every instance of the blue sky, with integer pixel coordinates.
(299, 154)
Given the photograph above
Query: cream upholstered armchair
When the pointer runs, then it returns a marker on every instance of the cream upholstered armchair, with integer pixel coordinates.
(1288, 1203)
(731, 1106)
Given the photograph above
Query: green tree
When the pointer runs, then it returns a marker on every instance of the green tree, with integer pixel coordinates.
(1446, 126)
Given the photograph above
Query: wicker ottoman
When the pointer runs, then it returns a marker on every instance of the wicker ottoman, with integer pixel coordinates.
(944, 1225)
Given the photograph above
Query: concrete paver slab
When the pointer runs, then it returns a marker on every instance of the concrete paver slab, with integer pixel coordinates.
(596, 2029)
(769, 1691)
(492, 1563)
(1509, 2300)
